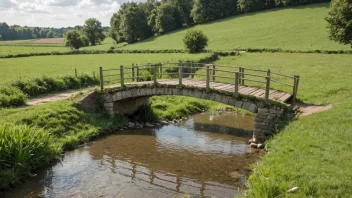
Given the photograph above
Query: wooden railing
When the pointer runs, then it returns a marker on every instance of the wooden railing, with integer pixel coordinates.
(237, 75)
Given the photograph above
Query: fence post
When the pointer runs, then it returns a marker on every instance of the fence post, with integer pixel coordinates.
(154, 74)
(122, 77)
(236, 83)
(101, 79)
(208, 79)
(192, 74)
(180, 75)
(133, 76)
(76, 72)
(214, 72)
(137, 73)
(268, 73)
(242, 76)
(295, 89)
(267, 88)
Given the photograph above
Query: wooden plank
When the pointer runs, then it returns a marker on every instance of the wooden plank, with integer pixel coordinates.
(224, 86)
(255, 89)
(258, 92)
(285, 97)
(249, 90)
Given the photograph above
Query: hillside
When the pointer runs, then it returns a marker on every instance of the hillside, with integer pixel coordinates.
(296, 28)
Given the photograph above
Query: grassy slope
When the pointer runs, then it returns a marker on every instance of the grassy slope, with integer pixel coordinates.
(314, 152)
(298, 28)
(30, 67)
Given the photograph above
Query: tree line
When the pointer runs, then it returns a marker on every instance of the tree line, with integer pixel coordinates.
(16, 32)
(137, 21)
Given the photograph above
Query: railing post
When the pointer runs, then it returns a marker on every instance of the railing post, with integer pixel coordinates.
(192, 72)
(161, 70)
(268, 73)
(208, 79)
(133, 76)
(122, 78)
(267, 88)
(242, 76)
(214, 72)
(295, 89)
(101, 78)
(154, 74)
(180, 75)
(236, 83)
(137, 73)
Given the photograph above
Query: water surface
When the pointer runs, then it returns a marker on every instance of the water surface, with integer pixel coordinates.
(206, 155)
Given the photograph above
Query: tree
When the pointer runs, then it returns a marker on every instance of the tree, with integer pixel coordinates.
(130, 23)
(340, 21)
(195, 41)
(250, 5)
(73, 39)
(167, 18)
(50, 34)
(94, 31)
(85, 40)
(209, 10)
(0, 37)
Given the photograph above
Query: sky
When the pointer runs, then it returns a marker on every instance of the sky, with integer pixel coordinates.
(57, 13)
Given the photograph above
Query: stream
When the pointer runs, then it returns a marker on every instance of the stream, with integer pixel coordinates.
(206, 155)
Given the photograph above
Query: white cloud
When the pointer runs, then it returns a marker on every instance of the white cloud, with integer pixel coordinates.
(57, 13)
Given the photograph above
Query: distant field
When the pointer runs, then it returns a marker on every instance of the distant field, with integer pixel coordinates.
(5, 50)
(58, 41)
(296, 28)
(44, 45)
(31, 67)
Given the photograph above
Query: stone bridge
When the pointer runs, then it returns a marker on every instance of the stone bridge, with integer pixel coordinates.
(270, 105)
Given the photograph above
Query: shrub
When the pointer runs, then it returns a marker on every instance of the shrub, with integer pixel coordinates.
(195, 41)
(23, 149)
(12, 96)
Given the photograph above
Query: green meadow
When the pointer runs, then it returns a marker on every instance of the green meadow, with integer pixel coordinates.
(37, 66)
(296, 28)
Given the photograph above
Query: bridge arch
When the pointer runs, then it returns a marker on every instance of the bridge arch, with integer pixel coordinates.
(178, 79)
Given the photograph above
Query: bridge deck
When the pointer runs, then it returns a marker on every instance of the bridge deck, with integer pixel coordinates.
(258, 92)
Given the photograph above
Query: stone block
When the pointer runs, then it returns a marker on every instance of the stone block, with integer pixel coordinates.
(185, 92)
(205, 96)
(109, 105)
(197, 94)
(232, 101)
(262, 110)
(218, 97)
(212, 96)
(133, 93)
(238, 104)
(114, 97)
(108, 98)
(252, 108)
(246, 105)
(154, 91)
(273, 111)
(225, 100)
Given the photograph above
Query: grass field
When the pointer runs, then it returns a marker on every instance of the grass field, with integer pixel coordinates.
(297, 28)
(39, 46)
(31, 67)
(313, 153)
(51, 41)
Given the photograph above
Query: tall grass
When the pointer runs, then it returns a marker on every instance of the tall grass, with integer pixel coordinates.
(12, 96)
(22, 149)
(47, 84)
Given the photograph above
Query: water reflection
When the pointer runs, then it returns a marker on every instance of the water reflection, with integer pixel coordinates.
(197, 157)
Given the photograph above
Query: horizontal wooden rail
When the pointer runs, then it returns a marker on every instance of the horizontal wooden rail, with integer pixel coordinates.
(189, 69)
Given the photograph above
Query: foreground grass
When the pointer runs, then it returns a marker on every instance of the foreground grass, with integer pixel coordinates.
(313, 153)
(296, 28)
(31, 67)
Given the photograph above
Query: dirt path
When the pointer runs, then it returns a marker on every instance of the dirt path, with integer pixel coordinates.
(307, 110)
(54, 97)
